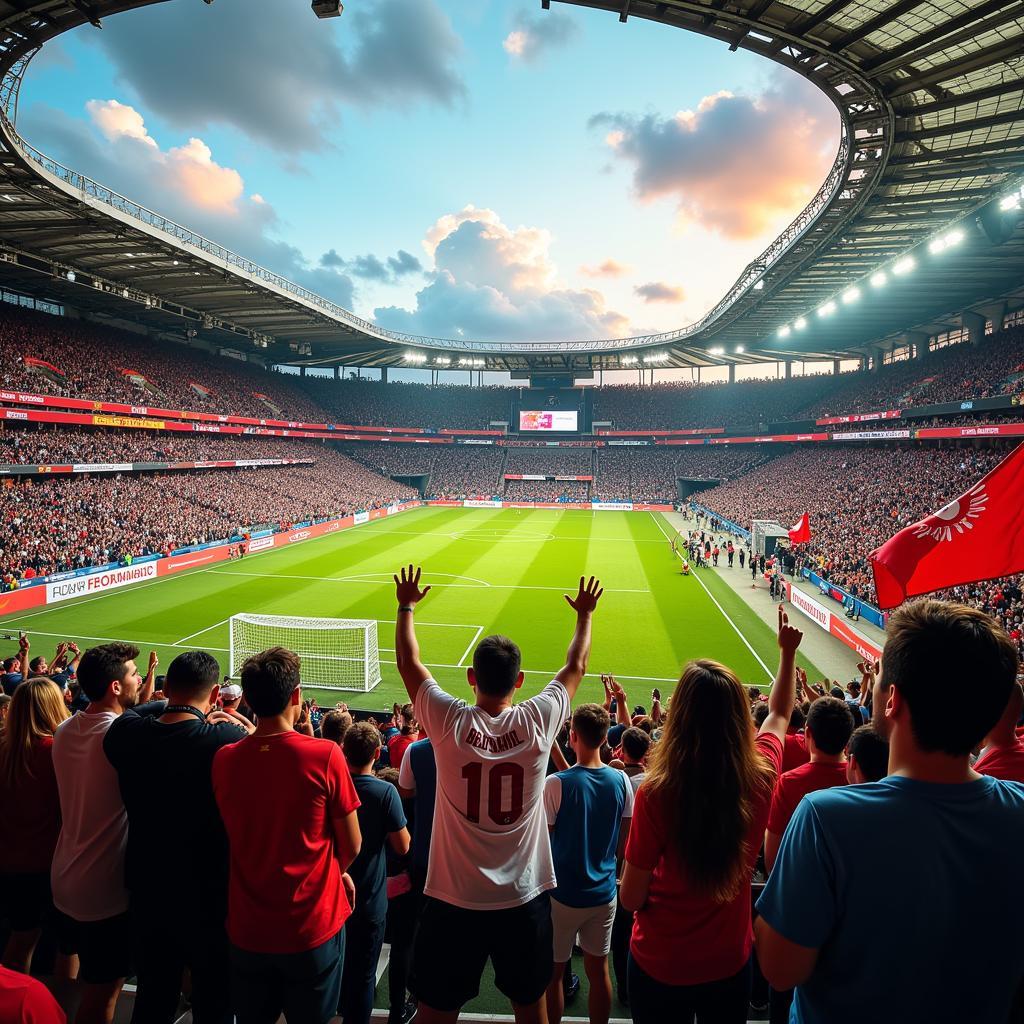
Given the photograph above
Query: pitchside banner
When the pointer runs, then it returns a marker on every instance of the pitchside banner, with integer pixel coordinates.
(831, 623)
(109, 579)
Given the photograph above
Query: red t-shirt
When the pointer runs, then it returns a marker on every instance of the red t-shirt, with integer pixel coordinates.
(279, 797)
(30, 815)
(24, 1000)
(795, 753)
(1003, 763)
(793, 786)
(398, 745)
(681, 937)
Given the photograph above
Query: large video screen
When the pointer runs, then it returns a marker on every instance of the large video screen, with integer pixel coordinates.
(553, 420)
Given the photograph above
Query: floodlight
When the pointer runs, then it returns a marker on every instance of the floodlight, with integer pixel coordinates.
(70, 275)
(800, 323)
(783, 332)
(851, 295)
(878, 278)
(828, 309)
(740, 350)
(1009, 203)
(936, 245)
(904, 266)
(954, 237)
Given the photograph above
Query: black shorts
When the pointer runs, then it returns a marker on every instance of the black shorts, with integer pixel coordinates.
(104, 947)
(452, 946)
(25, 900)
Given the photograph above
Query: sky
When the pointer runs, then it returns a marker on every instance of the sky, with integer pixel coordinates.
(453, 168)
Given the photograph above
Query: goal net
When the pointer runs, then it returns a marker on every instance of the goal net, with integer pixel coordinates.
(338, 654)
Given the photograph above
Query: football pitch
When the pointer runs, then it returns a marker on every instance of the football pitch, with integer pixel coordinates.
(491, 570)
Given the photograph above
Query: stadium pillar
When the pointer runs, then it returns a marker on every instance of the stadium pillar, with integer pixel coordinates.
(917, 342)
(836, 366)
(732, 373)
(302, 371)
(383, 375)
(975, 325)
(877, 359)
(789, 368)
(996, 312)
(337, 373)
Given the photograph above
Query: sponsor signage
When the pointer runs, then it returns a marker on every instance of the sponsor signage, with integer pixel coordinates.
(298, 535)
(836, 625)
(995, 430)
(476, 503)
(361, 517)
(259, 544)
(109, 579)
(611, 506)
(859, 417)
(872, 435)
(128, 421)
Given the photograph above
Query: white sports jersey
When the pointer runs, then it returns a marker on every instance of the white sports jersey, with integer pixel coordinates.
(489, 848)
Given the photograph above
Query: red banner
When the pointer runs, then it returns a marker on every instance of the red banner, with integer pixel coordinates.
(859, 417)
(19, 600)
(995, 430)
(660, 433)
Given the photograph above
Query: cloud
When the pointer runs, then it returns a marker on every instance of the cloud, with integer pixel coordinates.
(373, 268)
(184, 183)
(659, 291)
(610, 268)
(493, 282)
(275, 72)
(404, 263)
(532, 37)
(737, 165)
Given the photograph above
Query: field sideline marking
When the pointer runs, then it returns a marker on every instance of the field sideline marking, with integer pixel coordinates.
(459, 586)
(550, 673)
(696, 576)
(198, 632)
(465, 654)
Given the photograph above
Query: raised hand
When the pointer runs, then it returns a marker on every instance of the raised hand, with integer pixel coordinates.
(154, 660)
(789, 636)
(407, 588)
(586, 600)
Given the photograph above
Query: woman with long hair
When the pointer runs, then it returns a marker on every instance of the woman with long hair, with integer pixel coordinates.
(29, 814)
(697, 826)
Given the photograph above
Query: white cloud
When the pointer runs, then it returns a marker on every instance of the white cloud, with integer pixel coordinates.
(532, 37)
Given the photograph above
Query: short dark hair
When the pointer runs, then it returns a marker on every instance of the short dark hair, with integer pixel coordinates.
(932, 649)
(33, 665)
(360, 744)
(269, 679)
(635, 743)
(591, 722)
(754, 692)
(100, 666)
(496, 663)
(871, 752)
(797, 718)
(836, 691)
(389, 775)
(192, 674)
(9, 663)
(830, 723)
(335, 724)
(761, 709)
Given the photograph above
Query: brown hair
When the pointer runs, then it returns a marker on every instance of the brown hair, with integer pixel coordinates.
(709, 776)
(269, 679)
(37, 708)
(360, 744)
(409, 723)
(591, 722)
(334, 725)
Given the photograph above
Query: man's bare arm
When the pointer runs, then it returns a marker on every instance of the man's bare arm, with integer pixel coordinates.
(783, 696)
(575, 668)
(407, 649)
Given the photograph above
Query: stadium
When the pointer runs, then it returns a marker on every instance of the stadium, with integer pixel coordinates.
(222, 474)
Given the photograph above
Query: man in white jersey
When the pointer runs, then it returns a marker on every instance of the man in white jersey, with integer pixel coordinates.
(490, 868)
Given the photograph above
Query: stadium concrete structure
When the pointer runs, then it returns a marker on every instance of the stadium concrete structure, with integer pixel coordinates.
(928, 176)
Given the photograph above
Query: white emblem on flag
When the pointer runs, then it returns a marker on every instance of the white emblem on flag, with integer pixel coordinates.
(956, 516)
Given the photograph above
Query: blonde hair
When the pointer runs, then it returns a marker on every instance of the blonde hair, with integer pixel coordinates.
(709, 775)
(37, 708)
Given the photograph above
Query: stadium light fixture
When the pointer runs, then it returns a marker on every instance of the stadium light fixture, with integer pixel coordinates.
(851, 295)
(717, 350)
(878, 279)
(70, 275)
(758, 284)
(415, 357)
(442, 361)
(628, 360)
(1011, 202)
(740, 350)
(937, 245)
(800, 323)
(904, 266)
(954, 237)
(784, 332)
(827, 309)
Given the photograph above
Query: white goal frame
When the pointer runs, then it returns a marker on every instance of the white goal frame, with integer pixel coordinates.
(332, 657)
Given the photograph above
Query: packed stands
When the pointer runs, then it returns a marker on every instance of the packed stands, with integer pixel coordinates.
(453, 471)
(547, 490)
(58, 356)
(53, 524)
(560, 461)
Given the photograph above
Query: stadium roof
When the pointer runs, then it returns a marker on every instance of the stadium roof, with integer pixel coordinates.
(931, 98)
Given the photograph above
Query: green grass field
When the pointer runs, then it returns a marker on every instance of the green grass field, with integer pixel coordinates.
(491, 571)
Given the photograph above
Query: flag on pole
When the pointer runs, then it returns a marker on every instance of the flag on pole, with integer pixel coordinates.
(979, 536)
(801, 532)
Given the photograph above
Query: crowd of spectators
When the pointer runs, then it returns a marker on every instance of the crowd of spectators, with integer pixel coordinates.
(57, 524)
(90, 361)
(559, 461)
(547, 490)
(69, 445)
(451, 470)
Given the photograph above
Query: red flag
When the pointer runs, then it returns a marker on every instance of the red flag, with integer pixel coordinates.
(979, 536)
(801, 532)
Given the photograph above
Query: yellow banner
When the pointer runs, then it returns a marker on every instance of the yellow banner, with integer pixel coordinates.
(128, 421)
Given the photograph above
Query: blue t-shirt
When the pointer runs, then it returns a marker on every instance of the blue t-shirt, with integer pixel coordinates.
(906, 888)
(585, 807)
(615, 735)
(379, 813)
(419, 761)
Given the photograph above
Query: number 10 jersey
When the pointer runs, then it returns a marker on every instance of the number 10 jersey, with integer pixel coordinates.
(489, 848)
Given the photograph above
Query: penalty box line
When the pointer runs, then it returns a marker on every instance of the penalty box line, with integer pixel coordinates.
(550, 673)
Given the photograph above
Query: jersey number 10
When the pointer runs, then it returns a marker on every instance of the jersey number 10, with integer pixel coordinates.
(496, 811)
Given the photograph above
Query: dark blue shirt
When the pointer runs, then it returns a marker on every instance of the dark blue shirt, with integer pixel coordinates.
(420, 761)
(379, 813)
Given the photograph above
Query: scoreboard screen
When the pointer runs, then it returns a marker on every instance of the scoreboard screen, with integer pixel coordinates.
(553, 420)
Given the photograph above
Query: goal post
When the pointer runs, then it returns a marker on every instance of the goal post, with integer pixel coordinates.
(336, 654)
